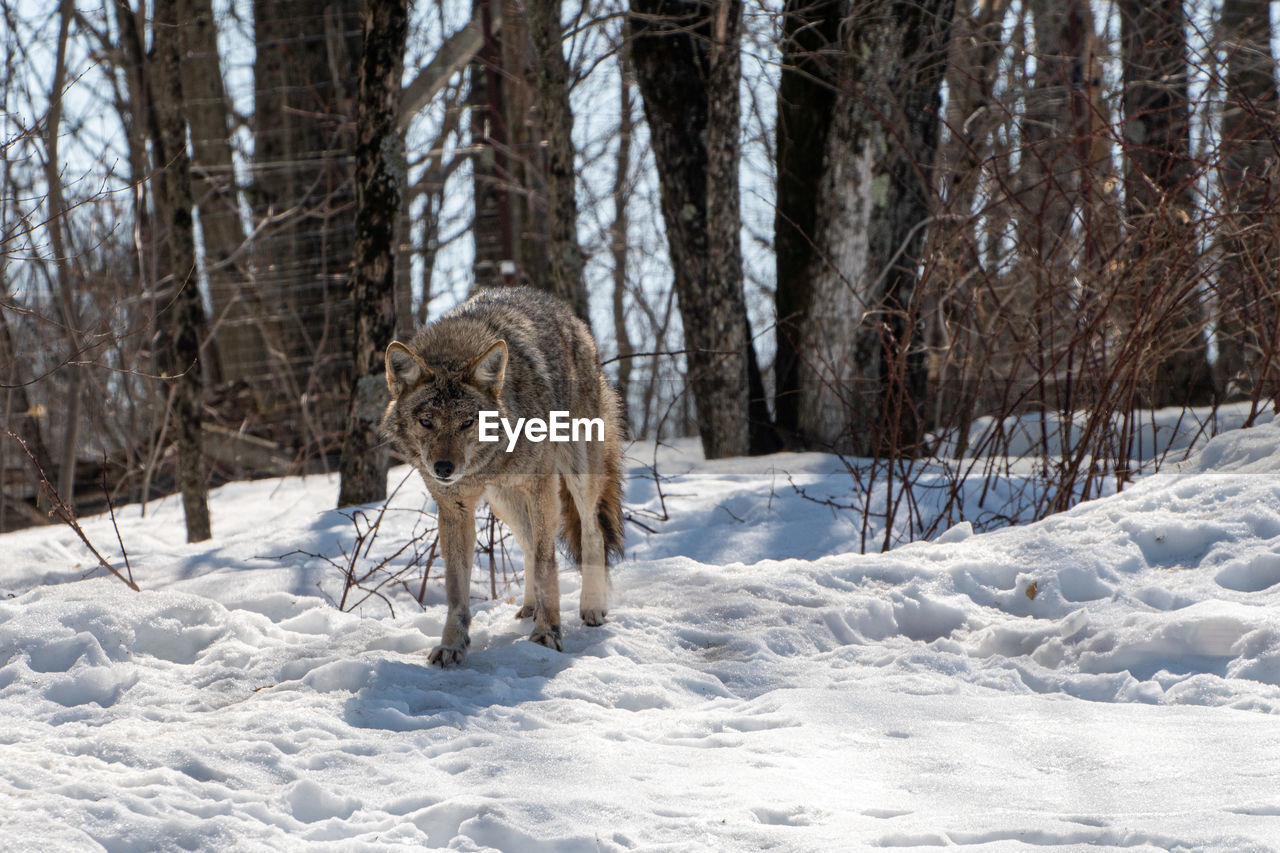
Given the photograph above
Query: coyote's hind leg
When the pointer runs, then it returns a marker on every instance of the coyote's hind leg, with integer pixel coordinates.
(594, 603)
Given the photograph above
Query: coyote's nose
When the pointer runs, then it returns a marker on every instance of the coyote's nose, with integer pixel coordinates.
(444, 469)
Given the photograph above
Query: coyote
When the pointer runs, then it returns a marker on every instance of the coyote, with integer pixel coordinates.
(521, 353)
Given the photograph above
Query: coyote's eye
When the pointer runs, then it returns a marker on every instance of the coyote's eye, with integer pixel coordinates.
(466, 425)
(426, 422)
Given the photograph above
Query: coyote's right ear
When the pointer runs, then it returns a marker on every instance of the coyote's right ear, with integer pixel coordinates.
(405, 370)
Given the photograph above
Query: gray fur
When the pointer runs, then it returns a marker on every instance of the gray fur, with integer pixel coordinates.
(523, 353)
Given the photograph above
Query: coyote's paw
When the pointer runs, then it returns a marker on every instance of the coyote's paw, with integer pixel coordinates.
(447, 656)
(525, 612)
(593, 616)
(549, 637)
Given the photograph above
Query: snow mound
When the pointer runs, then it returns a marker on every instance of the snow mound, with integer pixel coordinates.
(1109, 676)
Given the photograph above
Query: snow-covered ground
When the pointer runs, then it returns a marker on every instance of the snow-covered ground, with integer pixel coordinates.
(1107, 677)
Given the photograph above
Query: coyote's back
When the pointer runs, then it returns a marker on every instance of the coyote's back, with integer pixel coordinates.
(515, 356)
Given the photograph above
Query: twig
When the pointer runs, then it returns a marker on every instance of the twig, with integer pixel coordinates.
(67, 515)
(658, 353)
(111, 508)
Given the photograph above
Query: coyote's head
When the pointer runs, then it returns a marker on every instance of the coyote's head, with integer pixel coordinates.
(435, 404)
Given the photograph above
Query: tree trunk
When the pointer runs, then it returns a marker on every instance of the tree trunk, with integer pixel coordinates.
(512, 234)
(961, 319)
(1049, 179)
(1037, 300)
(186, 322)
(862, 371)
(806, 100)
(1167, 298)
(618, 239)
(380, 175)
(495, 252)
(1248, 317)
(1066, 209)
(64, 293)
(134, 118)
(20, 417)
(306, 62)
(564, 254)
(149, 235)
(528, 158)
(237, 340)
(685, 55)
(404, 252)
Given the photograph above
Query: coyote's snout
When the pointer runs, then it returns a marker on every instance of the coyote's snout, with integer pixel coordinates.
(522, 354)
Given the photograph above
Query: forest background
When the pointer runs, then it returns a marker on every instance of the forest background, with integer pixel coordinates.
(926, 236)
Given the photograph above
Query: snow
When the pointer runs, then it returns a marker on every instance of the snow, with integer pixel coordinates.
(1109, 676)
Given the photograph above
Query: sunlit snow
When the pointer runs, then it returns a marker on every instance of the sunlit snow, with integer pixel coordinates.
(1109, 676)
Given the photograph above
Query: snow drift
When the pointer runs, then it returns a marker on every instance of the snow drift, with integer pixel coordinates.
(1108, 676)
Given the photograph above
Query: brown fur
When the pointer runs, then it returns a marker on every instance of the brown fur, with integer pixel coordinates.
(522, 353)
(608, 516)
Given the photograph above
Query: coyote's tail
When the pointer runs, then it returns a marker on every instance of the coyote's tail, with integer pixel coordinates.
(608, 512)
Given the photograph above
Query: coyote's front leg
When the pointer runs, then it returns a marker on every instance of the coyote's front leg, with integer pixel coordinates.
(458, 542)
(545, 509)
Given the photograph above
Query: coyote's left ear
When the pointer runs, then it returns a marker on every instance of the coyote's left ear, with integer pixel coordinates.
(489, 368)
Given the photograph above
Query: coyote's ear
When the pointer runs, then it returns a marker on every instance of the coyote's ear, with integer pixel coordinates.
(489, 368)
(405, 370)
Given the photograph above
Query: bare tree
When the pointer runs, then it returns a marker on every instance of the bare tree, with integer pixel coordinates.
(493, 229)
(186, 323)
(861, 368)
(686, 59)
(68, 310)
(1052, 190)
(131, 106)
(380, 176)
(959, 313)
(1248, 316)
(618, 238)
(511, 230)
(237, 338)
(564, 254)
(1044, 282)
(1165, 273)
(806, 102)
(21, 417)
(305, 64)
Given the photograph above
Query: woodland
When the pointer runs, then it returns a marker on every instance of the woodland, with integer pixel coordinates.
(876, 228)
